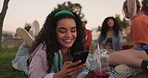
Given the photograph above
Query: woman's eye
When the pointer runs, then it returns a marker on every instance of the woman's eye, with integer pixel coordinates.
(73, 30)
(62, 31)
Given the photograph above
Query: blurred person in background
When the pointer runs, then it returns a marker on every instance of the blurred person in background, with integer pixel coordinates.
(88, 35)
(111, 35)
(127, 61)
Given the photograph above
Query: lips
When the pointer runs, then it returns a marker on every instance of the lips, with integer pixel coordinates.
(67, 40)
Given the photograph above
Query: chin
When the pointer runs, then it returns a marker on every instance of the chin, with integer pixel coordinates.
(68, 46)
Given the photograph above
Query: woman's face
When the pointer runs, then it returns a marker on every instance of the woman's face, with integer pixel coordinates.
(110, 22)
(126, 13)
(66, 32)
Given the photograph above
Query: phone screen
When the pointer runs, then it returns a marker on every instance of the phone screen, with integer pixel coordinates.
(82, 55)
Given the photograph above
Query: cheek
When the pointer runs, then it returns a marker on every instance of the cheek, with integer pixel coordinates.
(59, 36)
(75, 35)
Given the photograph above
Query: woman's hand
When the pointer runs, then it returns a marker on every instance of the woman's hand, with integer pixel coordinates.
(69, 69)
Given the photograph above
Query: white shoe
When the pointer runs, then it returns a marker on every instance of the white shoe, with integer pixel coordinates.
(125, 69)
(25, 36)
(35, 28)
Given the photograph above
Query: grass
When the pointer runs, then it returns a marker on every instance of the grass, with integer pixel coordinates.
(143, 74)
(6, 69)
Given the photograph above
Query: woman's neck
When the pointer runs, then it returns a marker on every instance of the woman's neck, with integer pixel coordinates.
(65, 55)
(109, 33)
(64, 51)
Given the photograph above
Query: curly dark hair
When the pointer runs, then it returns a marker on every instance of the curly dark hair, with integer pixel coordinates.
(105, 27)
(47, 36)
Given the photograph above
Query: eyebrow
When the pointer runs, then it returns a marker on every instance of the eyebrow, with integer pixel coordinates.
(65, 28)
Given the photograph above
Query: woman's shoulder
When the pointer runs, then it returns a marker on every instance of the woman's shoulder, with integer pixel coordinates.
(140, 20)
(39, 50)
(140, 17)
(41, 46)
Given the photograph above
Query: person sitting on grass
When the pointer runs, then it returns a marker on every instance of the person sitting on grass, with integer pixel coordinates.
(136, 57)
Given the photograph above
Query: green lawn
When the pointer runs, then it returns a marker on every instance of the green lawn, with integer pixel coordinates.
(6, 69)
(140, 75)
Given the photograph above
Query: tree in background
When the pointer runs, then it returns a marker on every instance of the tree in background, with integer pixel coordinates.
(2, 16)
(123, 23)
(117, 17)
(75, 7)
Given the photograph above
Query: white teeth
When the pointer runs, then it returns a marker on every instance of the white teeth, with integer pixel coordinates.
(67, 40)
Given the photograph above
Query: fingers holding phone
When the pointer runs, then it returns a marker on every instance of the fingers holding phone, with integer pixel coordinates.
(82, 55)
(71, 68)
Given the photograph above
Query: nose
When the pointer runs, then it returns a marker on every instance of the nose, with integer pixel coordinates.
(68, 34)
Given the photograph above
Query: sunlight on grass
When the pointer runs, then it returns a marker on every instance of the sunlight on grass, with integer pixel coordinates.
(6, 69)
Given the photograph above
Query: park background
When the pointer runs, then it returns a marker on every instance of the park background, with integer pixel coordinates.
(21, 13)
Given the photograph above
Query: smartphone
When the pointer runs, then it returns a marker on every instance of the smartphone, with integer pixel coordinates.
(82, 55)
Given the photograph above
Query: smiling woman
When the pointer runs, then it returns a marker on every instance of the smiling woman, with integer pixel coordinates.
(66, 32)
(51, 54)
